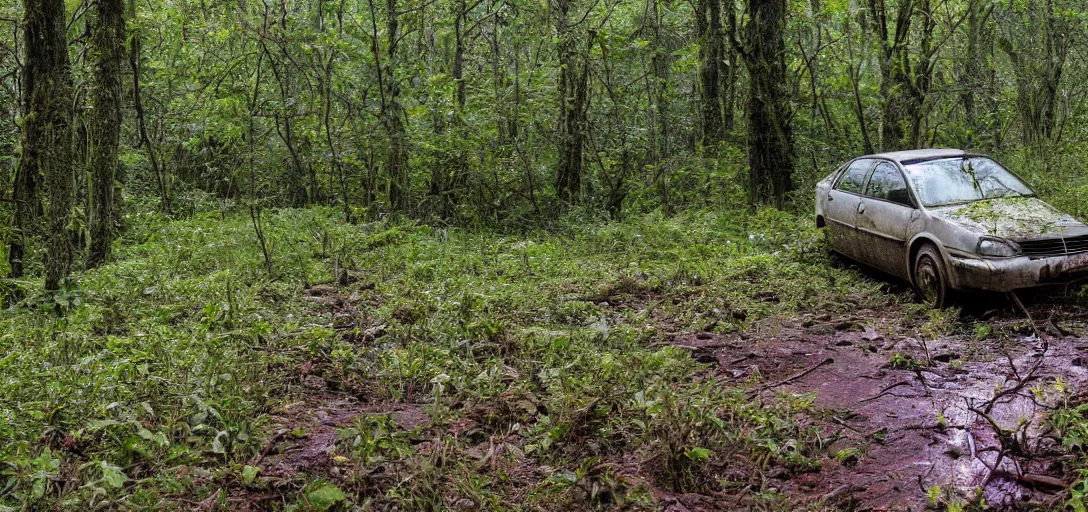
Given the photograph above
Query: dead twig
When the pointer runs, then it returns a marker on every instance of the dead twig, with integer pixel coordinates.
(741, 360)
(791, 378)
(918, 373)
(886, 390)
(268, 447)
(1041, 333)
(839, 492)
(1013, 390)
(1043, 481)
(847, 425)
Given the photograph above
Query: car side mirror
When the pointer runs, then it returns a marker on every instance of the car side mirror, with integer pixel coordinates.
(901, 196)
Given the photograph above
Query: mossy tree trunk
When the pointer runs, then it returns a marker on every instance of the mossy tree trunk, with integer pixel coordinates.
(906, 73)
(708, 26)
(47, 133)
(770, 137)
(895, 78)
(573, 101)
(393, 114)
(108, 45)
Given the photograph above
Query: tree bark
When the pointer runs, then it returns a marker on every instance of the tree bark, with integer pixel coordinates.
(47, 130)
(895, 75)
(396, 156)
(770, 138)
(729, 88)
(28, 206)
(108, 42)
(708, 25)
(573, 103)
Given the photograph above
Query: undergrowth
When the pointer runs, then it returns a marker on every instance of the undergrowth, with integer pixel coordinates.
(541, 361)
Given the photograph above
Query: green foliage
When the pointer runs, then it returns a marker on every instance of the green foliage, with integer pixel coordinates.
(324, 497)
(308, 84)
(484, 297)
(174, 355)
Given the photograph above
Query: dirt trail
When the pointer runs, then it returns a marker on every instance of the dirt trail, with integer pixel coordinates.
(915, 412)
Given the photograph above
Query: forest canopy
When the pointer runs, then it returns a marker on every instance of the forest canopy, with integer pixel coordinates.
(497, 111)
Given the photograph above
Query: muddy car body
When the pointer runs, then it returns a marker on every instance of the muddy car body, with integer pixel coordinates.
(948, 220)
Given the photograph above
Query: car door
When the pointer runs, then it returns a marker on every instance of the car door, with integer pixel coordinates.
(884, 216)
(841, 208)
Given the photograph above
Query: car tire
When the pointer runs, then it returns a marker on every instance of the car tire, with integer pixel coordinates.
(931, 278)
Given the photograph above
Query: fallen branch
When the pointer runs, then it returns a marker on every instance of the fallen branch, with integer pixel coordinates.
(268, 447)
(886, 390)
(1043, 481)
(1041, 333)
(847, 425)
(831, 497)
(1013, 390)
(792, 378)
(741, 360)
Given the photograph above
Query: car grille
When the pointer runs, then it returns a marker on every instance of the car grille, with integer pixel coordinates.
(1055, 246)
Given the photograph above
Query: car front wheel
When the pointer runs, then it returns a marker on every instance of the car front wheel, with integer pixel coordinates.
(930, 277)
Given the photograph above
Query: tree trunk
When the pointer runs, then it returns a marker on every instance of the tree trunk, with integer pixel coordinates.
(28, 206)
(47, 132)
(895, 73)
(573, 103)
(659, 88)
(729, 88)
(770, 138)
(708, 25)
(922, 79)
(396, 162)
(972, 78)
(294, 179)
(108, 40)
(459, 55)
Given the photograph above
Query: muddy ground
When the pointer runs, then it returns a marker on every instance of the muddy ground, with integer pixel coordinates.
(906, 420)
(957, 413)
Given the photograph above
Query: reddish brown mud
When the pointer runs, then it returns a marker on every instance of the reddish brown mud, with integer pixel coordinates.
(958, 414)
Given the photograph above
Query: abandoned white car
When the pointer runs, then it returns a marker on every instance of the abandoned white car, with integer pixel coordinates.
(948, 220)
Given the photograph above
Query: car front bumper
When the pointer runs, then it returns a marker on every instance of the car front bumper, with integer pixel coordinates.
(1003, 275)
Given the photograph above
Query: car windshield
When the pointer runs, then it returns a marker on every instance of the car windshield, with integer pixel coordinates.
(963, 180)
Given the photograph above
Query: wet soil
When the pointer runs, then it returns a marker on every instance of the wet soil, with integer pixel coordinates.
(900, 416)
(307, 430)
(961, 414)
(305, 440)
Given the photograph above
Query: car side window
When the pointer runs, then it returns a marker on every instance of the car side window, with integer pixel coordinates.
(854, 179)
(887, 183)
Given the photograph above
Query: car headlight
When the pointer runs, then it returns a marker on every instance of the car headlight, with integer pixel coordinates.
(997, 248)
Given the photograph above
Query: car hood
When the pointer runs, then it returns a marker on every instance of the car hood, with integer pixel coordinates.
(1015, 218)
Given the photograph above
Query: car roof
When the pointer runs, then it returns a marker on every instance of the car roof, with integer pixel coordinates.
(919, 155)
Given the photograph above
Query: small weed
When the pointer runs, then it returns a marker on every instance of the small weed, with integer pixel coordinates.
(982, 331)
(940, 323)
(848, 456)
(900, 361)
